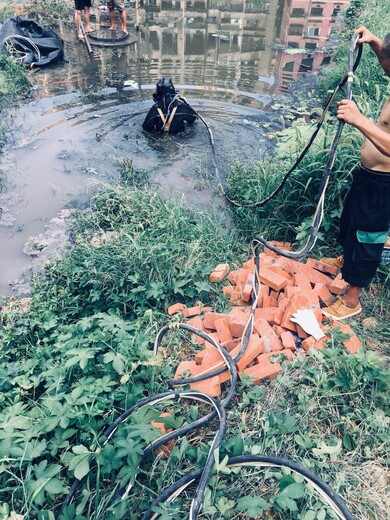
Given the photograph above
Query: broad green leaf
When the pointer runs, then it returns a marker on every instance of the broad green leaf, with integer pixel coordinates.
(253, 505)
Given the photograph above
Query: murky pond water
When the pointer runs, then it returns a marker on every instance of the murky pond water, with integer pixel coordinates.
(229, 59)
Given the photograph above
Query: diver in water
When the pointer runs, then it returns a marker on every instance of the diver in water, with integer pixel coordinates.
(170, 112)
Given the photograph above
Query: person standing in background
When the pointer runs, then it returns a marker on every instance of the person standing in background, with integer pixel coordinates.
(120, 6)
(84, 6)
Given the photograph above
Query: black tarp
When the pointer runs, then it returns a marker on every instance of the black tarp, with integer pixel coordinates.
(35, 44)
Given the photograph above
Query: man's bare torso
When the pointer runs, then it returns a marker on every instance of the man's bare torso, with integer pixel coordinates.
(371, 157)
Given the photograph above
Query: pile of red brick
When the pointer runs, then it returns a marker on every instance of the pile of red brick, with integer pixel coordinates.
(286, 286)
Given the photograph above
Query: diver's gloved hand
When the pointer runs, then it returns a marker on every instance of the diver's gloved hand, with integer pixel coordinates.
(307, 320)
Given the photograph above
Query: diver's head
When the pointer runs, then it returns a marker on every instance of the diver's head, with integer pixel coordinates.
(164, 87)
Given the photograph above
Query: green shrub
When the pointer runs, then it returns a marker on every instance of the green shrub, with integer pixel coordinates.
(50, 12)
(13, 79)
(135, 251)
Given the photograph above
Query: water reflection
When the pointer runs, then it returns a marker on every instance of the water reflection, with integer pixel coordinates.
(240, 52)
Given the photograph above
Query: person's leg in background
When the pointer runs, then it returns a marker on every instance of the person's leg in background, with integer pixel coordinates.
(87, 26)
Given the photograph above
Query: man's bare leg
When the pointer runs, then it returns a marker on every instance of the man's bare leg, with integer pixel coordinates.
(77, 19)
(86, 20)
(111, 15)
(122, 16)
(351, 297)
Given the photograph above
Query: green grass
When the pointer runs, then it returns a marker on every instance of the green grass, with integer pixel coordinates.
(51, 12)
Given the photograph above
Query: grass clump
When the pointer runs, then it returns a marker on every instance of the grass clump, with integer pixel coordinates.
(7, 10)
(13, 79)
(51, 12)
(133, 252)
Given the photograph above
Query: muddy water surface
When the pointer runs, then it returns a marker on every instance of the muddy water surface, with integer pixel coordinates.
(86, 114)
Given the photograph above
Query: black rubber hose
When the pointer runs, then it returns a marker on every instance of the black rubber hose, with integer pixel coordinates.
(330, 496)
(325, 177)
(219, 410)
(305, 149)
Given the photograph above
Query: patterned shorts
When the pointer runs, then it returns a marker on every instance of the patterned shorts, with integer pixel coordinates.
(119, 4)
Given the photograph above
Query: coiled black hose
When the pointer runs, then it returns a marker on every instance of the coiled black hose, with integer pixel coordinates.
(325, 491)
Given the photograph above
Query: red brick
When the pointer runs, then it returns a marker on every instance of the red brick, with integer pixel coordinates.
(249, 264)
(210, 318)
(242, 276)
(254, 348)
(272, 279)
(270, 301)
(292, 291)
(282, 304)
(199, 356)
(281, 272)
(248, 288)
(238, 323)
(229, 345)
(211, 357)
(216, 276)
(263, 292)
(186, 366)
(265, 369)
(312, 275)
(228, 289)
(232, 276)
(177, 307)
(279, 330)
(310, 342)
(211, 386)
(223, 330)
(262, 327)
(220, 271)
(268, 314)
(323, 267)
(301, 281)
(301, 333)
(197, 323)
(323, 293)
(338, 286)
(288, 340)
(224, 268)
(291, 266)
(165, 449)
(191, 311)
(352, 344)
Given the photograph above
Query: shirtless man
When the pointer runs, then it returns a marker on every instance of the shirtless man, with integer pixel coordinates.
(85, 6)
(364, 223)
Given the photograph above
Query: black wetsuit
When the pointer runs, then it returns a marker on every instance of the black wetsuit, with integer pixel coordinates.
(364, 225)
(154, 123)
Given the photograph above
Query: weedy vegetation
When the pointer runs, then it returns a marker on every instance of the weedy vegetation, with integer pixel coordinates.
(81, 353)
